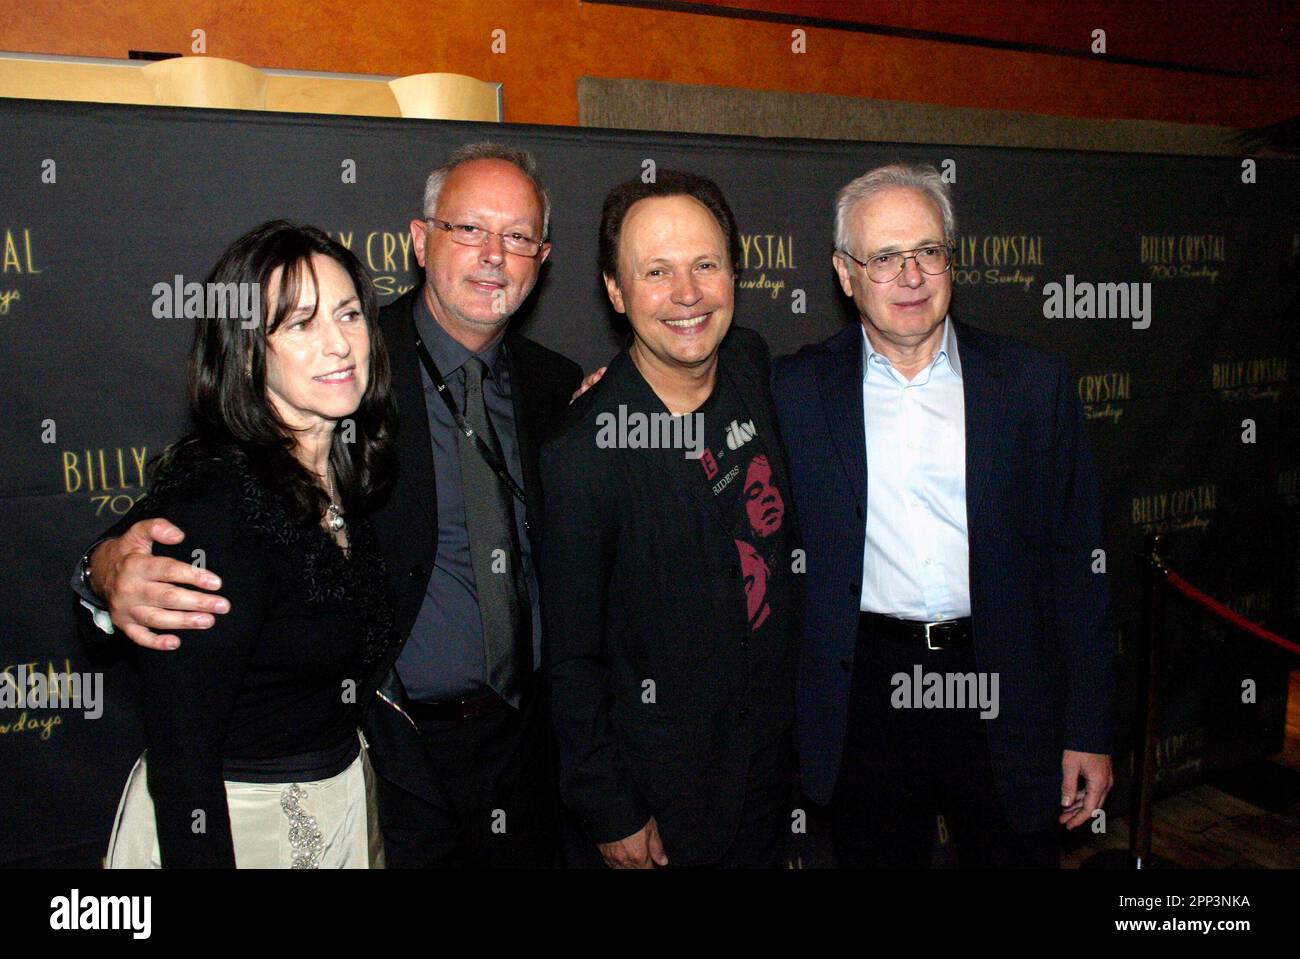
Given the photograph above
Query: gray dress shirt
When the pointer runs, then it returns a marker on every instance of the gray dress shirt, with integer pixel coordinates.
(444, 657)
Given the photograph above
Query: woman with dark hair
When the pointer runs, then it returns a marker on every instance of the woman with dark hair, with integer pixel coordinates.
(253, 757)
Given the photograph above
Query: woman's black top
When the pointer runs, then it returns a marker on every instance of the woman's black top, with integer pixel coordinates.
(273, 691)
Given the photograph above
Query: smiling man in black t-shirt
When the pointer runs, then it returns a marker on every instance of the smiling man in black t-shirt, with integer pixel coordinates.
(671, 573)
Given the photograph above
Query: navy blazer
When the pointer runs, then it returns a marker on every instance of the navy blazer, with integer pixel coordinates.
(1039, 614)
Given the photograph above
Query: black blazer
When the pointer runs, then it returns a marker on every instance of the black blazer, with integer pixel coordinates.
(641, 582)
(542, 383)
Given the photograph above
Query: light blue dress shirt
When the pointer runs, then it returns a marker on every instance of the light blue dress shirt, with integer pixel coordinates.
(916, 563)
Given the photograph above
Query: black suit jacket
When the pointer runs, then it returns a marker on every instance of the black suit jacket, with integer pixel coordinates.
(640, 581)
(542, 383)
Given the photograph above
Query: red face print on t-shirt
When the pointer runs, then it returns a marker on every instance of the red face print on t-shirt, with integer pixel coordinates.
(763, 501)
(755, 572)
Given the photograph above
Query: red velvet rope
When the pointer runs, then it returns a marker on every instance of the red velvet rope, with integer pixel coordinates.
(1216, 607)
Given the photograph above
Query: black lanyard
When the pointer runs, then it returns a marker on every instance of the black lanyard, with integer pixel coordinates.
(493, 461)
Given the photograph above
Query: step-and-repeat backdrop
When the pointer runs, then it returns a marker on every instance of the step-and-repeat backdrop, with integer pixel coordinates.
(1192, 408)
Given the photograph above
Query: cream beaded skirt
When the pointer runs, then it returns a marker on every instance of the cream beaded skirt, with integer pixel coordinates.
(328, 824)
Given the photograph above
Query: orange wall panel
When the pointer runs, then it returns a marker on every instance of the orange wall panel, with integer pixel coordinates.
(551, 43)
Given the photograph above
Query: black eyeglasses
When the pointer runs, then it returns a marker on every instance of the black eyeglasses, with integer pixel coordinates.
(886, 267)
(468, 234)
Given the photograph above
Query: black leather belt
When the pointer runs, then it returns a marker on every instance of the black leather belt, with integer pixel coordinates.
(471, 708)
(944, 634)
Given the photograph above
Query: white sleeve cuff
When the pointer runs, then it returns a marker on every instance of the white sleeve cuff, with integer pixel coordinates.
(101, 618)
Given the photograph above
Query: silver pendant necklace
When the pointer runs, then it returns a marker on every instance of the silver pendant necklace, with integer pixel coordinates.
(336, 522)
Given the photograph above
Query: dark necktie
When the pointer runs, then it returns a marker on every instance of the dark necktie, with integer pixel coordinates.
(494, 549)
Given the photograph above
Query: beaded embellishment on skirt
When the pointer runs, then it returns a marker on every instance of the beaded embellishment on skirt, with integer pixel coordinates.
(305, 837)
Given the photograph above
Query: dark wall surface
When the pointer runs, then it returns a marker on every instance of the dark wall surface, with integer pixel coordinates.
(100, 203)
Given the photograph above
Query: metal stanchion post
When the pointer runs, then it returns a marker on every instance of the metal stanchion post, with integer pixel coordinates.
(1150, 659)
(1148, 703)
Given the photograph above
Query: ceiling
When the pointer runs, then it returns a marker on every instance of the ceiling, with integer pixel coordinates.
(1248, 38)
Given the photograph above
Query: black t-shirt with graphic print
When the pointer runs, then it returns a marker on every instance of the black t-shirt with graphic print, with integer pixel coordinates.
(736, 469)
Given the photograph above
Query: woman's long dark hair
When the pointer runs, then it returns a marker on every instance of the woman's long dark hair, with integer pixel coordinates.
(231, 413)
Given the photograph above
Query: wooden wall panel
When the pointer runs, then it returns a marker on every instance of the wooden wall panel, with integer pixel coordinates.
(549, 44)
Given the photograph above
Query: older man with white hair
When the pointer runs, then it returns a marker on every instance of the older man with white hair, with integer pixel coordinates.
(956, 655)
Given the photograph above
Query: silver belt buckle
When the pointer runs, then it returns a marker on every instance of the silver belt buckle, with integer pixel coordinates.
(928, 644)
